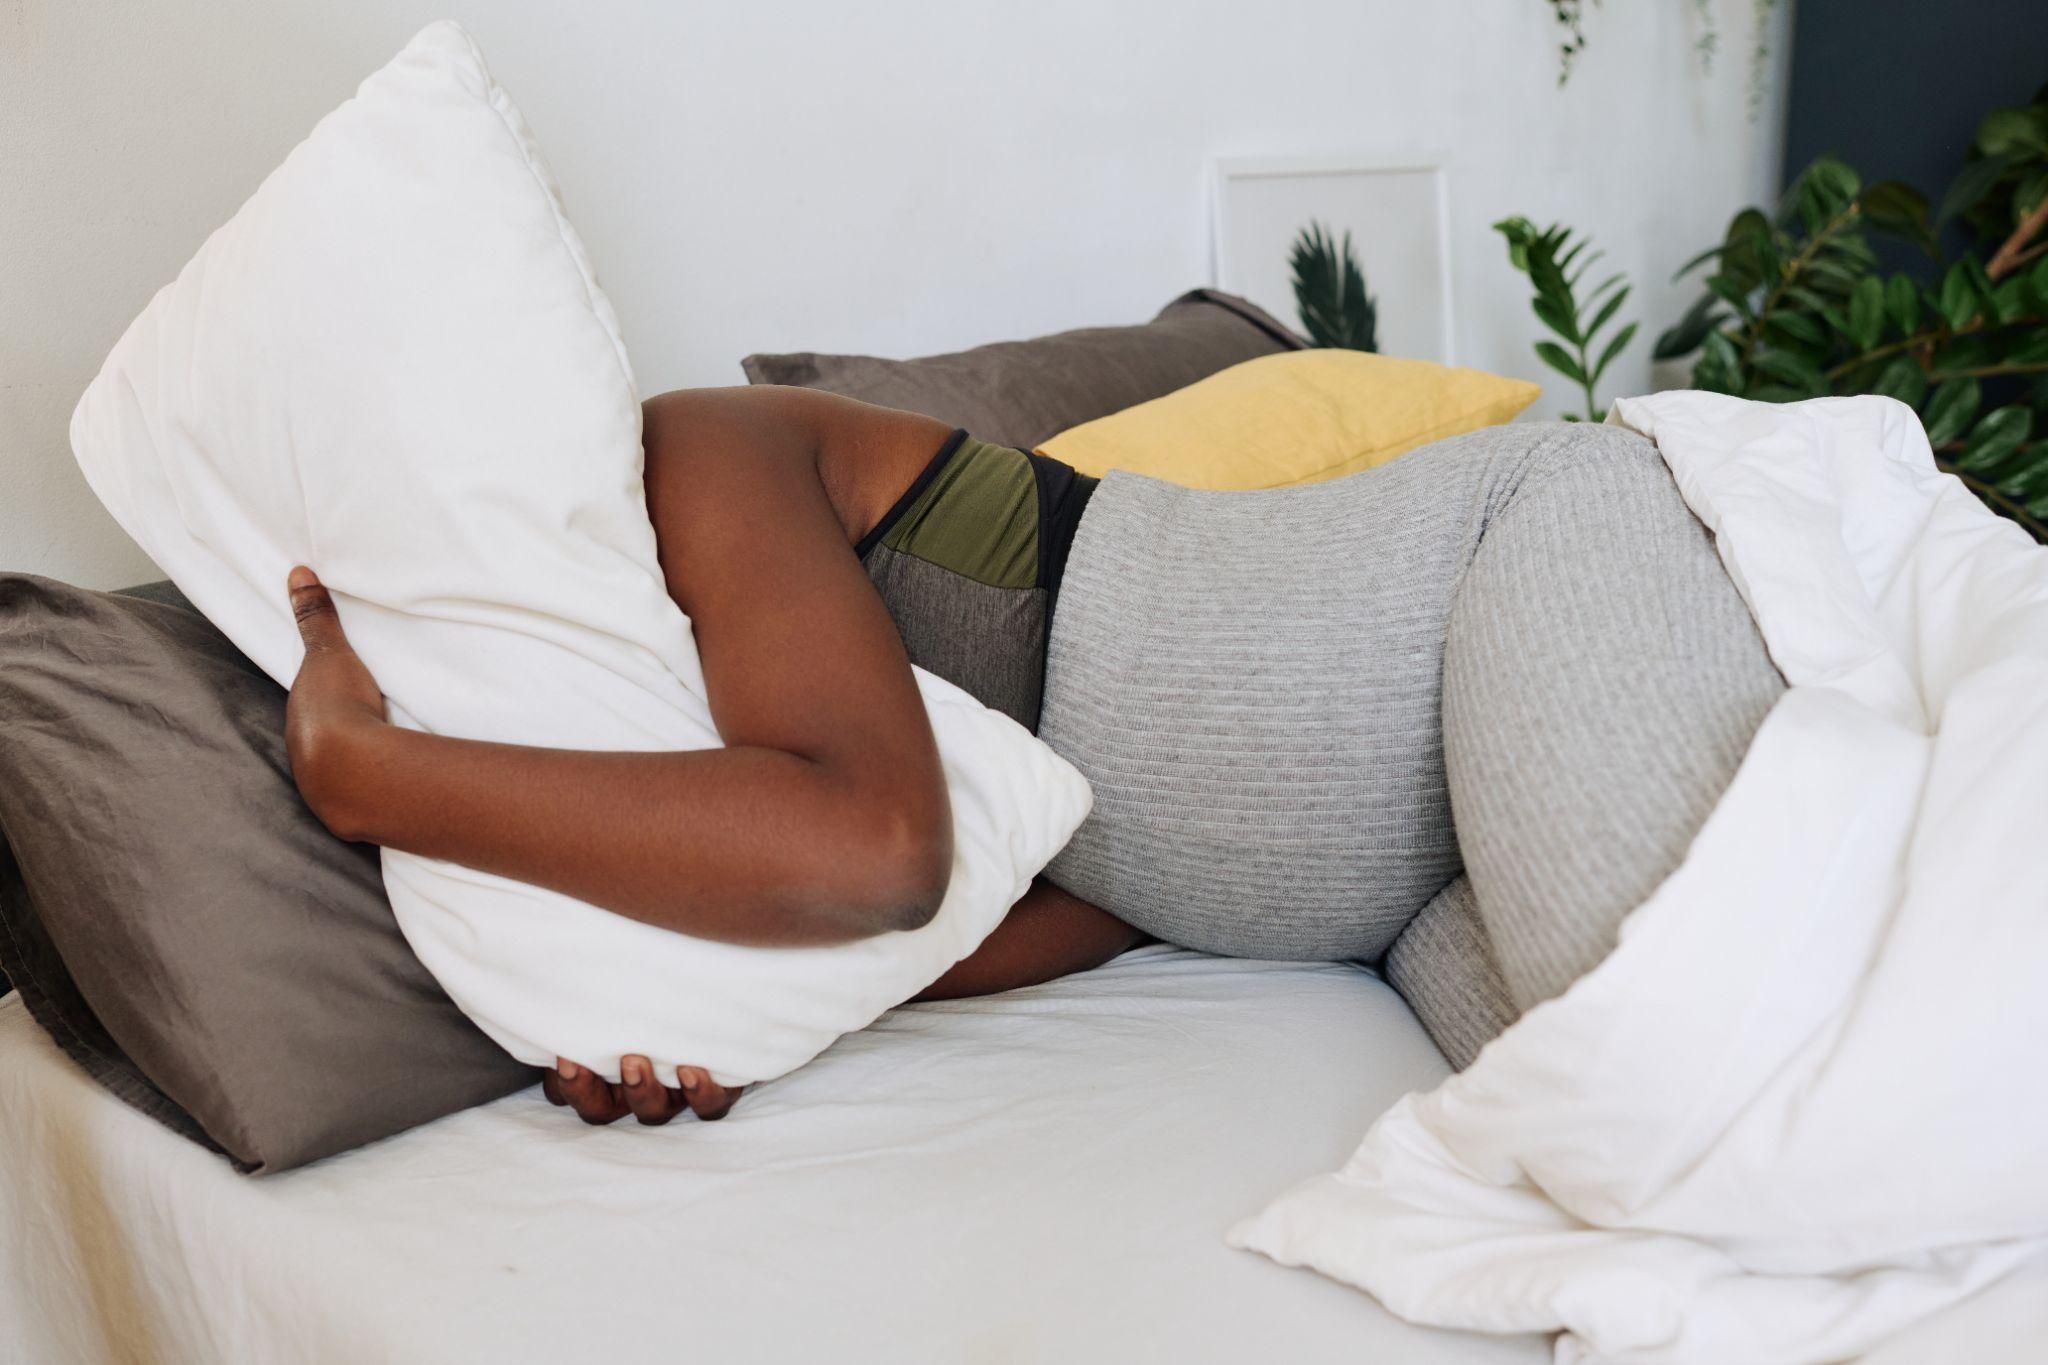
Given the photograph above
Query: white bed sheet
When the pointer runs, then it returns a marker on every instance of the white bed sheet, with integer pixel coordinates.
(1043, 1176)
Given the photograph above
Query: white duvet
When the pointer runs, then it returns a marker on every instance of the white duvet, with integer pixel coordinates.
(1805, 1100)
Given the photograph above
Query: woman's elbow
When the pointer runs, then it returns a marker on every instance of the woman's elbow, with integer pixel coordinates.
(906, 866)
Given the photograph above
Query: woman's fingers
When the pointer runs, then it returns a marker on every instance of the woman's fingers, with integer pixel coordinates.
(640, 1093)
(589, 1094)
(651, 1102)
(707, 1098)
(313, 609)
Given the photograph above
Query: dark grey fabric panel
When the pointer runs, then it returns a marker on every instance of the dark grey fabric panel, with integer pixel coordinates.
(1443, 966)
(176, 917)
(987, 641)
(1020, 393)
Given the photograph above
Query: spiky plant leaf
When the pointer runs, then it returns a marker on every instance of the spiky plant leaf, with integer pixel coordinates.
(1329, 291)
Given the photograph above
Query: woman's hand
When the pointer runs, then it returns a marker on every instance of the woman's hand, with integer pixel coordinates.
(334, 707)
(641, 1093)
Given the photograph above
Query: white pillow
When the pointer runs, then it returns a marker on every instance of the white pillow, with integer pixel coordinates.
(395, 364)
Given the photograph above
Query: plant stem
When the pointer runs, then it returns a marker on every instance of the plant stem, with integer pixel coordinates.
(1586, 375)
(1984, 371)
(2009, 257)
(1931, 337)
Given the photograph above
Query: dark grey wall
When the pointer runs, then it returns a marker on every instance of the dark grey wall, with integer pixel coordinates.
(1896, 87)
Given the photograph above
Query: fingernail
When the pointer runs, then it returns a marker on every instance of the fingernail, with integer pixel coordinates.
(568, 1071)
(690, 1077)
(629, 1072)
(301, 577)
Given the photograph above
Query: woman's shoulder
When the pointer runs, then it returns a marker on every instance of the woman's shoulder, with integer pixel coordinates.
(864, 456)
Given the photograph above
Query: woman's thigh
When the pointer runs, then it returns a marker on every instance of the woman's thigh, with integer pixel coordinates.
(1602, 680)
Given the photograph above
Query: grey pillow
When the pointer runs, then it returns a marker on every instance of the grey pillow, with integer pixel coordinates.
(1019, 393)
(175, 916)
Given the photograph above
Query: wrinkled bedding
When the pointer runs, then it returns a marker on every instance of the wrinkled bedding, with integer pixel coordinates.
(1036, 1177)
(1802, 1106)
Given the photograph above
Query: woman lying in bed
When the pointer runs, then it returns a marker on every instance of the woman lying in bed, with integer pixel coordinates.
(1275, 696)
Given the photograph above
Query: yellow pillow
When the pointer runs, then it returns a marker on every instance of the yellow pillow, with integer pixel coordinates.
(1294, 417)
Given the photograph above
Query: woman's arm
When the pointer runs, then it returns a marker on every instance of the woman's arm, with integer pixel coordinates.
(1047, 935)
(825, 819)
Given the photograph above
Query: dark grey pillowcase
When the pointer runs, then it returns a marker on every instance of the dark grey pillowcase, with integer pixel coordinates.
(175, 916)
(1020, 393)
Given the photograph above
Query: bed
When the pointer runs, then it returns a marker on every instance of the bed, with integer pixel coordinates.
(1040, 1176)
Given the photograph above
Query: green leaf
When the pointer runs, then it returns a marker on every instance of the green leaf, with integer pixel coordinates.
(1746, 254)
(1812, 209)
(1796, 371)
(1607, 310)
(1747, 226)
(1997, 435)
(1814, 300)
(1958, 299)
(1520, 232)
(1897, 208)
(1902, 379)
(1835, 181)
(1975, 181)
(1557, 319)
(1852, 249)
(1687, 334)
(1902, 304)
(1971, 351)
(2030, 349)
(1329, 291)
(1549, 281)
(1731, 294)
(1560, 360)
(1516, 229)
(1980, 284)
(2014, 132)
(1955, 403)
(2030, 480)
(1612, 280)
(2032, 190)
(1607, 356)
(2009, 299)
(1722, 351)
(2037, 283)
(1797, 327)
(1695, 263)
(1866, 312)
(1834, 274)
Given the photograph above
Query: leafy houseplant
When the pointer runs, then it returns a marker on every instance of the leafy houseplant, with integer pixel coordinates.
(1329, 289)
(1798, 306)
(1555, 265)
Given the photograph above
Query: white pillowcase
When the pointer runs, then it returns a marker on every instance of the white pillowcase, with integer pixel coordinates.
(395, 364)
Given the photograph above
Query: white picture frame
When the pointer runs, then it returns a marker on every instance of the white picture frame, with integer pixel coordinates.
(1397, 211)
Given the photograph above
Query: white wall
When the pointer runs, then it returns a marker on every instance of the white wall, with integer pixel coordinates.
(900, 176)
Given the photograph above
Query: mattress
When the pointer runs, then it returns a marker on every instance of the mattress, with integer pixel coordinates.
(1040, 1176)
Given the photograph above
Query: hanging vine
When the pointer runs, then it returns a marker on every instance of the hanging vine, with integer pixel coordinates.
(1570, 17)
